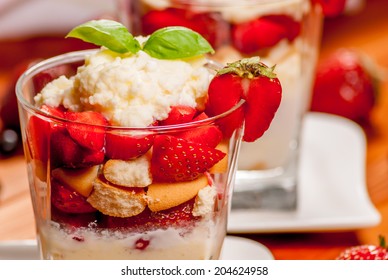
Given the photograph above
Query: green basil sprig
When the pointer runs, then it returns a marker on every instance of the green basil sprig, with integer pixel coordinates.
(166, 43)
(107, 33)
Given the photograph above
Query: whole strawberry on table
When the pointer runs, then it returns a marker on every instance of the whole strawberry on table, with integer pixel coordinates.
(346, 84)
(366, 252)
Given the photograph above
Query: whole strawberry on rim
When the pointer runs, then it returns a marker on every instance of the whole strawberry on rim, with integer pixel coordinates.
(251, 80)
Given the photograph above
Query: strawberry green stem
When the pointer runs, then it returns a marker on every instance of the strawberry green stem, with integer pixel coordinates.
(249, 68)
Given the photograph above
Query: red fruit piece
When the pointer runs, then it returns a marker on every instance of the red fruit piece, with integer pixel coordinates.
(39, 131)
(262, 101)
(344, 86)
(209, 135)
(225, 92)
(67, 200)
(127, 147)
(253, 81)
(175, 159)
(67, 153)
(366, 252)
(258, 34)
(87, 128)
(46, 76)
(291, 26)
(331, 8)
(178, 216)
(157, 19)
(142, 244)
(179, 114)
(211, 26)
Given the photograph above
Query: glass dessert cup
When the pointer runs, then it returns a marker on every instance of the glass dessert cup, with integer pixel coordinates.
(285, 33)
(108, 202)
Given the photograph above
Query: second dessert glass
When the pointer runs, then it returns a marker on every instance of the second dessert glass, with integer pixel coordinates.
(285, 33)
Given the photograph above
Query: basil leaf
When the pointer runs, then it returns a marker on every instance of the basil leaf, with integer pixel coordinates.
(107, 33)
(176, 42)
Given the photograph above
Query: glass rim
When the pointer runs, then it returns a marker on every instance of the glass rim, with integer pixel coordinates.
(76, 56)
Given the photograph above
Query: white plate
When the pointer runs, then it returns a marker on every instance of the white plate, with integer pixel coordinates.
(235, 248)
(332, 193)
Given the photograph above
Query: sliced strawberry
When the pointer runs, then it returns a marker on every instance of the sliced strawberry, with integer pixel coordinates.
(179, 114)
(67, 153)
(331, 8)
(127, 147)
(39, 130)
(69, 201)
(225, 92)
(252, 36)
(291, 26)
(157, 19)
(209, 135)
(178, 216)
(254, 82)
(175, 159)
(212, 26)
(87, 128)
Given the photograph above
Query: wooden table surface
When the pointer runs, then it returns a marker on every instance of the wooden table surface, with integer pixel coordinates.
(366, 31)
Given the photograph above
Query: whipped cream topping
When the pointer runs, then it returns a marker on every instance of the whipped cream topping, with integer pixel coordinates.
(130, 90)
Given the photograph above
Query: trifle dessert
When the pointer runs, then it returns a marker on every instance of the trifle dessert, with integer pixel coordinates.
(131, 147)
(284, 33)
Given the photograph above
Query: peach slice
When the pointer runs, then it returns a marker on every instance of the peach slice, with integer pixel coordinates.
(80, 180)
(222, 165)
(162, 196)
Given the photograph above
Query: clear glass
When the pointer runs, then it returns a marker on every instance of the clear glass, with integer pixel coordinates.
(61, 173)
(285, 33)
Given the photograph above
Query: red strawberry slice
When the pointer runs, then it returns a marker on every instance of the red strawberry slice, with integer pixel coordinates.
(291, 26)
(209, 135)
(69, 201)
(212, 26)
(264, 32)
(39, 130)
(127, 147)
(177, 217)
(179, 114)
(331, 8)
(252, 36)
(253, 81)
(65, 152)
(87, 128)
(157, 19)
(175, 159)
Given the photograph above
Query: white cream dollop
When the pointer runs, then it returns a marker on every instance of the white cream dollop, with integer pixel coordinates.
(130, 90)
